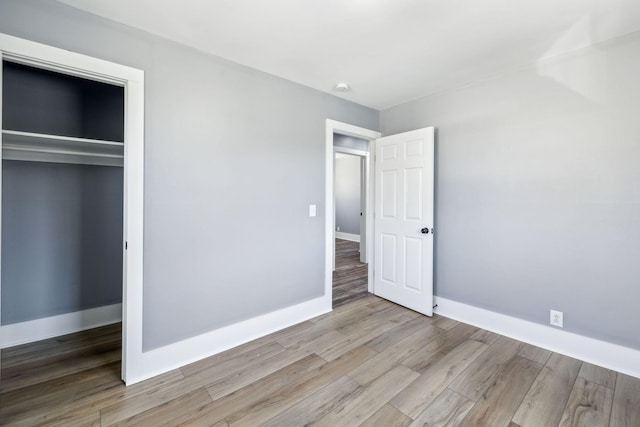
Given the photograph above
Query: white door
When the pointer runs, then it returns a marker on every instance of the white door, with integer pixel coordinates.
(403, 271)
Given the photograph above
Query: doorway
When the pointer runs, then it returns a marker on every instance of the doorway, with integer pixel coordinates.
(401, 186)
(350, 272)
(353, 258)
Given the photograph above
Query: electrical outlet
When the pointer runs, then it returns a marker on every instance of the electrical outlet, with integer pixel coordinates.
(555, 318)
(337, 228)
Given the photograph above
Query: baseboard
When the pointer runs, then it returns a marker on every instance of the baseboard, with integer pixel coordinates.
(173, 356)
(54, 326)
(348, 236)
(601, 353)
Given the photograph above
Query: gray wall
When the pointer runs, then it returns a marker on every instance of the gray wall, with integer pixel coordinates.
(538, 190)
(61, 238)
(350, 142)
(233, 158)
(347, 193)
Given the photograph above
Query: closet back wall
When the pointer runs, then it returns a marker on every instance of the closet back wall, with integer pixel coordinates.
(47, 102)
(61, 238)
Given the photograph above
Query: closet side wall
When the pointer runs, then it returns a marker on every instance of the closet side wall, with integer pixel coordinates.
(61, 239)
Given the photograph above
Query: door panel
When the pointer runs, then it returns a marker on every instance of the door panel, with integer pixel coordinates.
(413, 263)
(403, 263)
(389, 259)
(389, 196)
(413, 205)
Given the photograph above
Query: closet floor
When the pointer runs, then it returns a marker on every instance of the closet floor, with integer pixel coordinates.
(57, 359)
(350, 277)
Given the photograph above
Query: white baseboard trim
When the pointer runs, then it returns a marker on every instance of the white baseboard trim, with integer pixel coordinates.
(173, 356)
(597, 352)
(54, 326)
(348, 236)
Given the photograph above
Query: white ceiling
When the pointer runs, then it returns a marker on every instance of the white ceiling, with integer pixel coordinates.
(389, 51)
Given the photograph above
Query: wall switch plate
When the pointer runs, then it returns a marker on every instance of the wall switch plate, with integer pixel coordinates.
(312, 210)
(555, 318)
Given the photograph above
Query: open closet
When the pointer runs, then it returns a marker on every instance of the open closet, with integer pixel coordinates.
(62, 194)
(62, 189)
(71, 198)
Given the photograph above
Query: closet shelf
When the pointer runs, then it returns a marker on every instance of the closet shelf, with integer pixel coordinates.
(17, 145)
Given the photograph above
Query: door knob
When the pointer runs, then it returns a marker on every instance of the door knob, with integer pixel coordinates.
(425, 230)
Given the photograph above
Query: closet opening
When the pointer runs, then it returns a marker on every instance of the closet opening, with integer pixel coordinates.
(63, 141)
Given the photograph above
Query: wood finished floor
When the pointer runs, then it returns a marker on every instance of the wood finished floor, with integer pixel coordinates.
(350, 275)
(369, 362)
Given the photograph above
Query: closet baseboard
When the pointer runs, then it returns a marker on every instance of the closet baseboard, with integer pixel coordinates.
(49, 327)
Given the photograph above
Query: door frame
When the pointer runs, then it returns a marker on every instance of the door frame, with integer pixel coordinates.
(341, 128)
(42, 56)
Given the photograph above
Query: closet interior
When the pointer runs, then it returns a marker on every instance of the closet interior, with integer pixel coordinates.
(62, 193)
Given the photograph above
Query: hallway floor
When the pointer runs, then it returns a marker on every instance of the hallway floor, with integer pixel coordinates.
(350, 277)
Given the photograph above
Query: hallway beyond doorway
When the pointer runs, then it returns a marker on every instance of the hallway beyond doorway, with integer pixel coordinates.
(350, 276)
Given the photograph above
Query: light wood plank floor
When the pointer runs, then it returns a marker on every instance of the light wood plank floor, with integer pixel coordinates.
(369, 362)
(350, 277)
